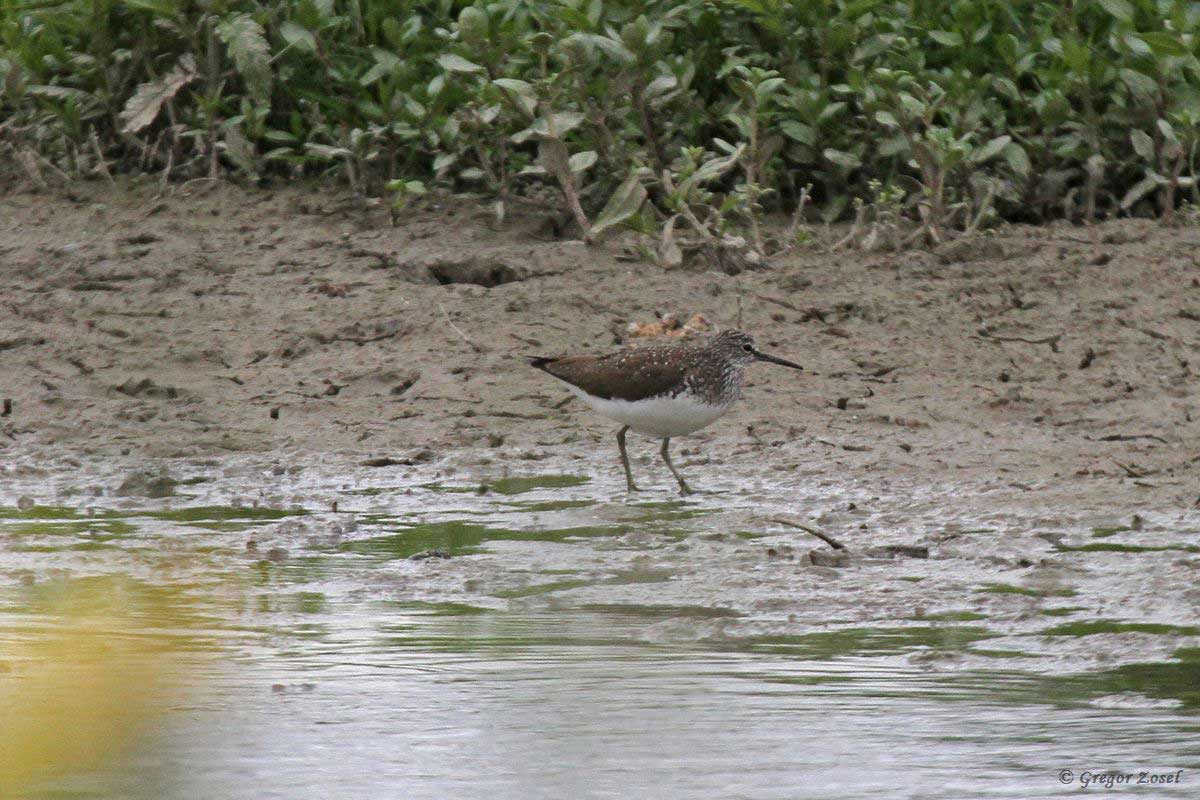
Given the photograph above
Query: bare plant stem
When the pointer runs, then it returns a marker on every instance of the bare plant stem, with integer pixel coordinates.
(1168, 192)
(856, 230)
(984, 207)
(750, 164)
(794, 228)
(639, 102)
(562, 169)
(101, 164)
(687, 212)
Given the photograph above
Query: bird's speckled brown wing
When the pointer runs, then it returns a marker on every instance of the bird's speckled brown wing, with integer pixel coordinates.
(624, 375)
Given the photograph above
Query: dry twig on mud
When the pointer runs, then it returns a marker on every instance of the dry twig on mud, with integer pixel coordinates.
(778, 302)
(1133, 470)
(1129, 437)
(824, 537)
(1053, 341)
(476, 348)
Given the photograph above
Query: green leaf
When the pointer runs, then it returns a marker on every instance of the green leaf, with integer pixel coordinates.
(1165, 43)
(830, 111)
(612, 47)
(729, 148)
(1142, 86)
(1006, 87)
(947, 38)
(515, 86)
(1120, 9)
(626, 201)
(896, 145)
(298, 37)
(1136, 45)
(661, 85)
(887, 119)
(282, 154)
(326, 151)
(1018, 159)
(141, 108)
(247, 44)
(912, 105)
(798, 131)
(387, 59)
(1077, 54)
(564, 122)
(1143, 145)
(473, 26)
(714, 168)
(842, 158)
(990, 150)
(1167, 131)
(525, 94)
(375, 73)
(767, 88)
(581, 161)
(456, 63)
(404, 190)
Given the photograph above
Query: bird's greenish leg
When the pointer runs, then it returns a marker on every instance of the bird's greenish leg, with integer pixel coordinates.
(625, 459)
(683, 487)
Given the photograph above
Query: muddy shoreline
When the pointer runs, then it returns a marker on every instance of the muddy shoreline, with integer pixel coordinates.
(1045, 365)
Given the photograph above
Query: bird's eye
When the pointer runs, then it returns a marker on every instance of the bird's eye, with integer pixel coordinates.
(749, 348)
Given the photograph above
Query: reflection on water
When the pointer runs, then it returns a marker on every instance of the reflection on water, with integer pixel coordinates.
(238, 652)
(572, 704)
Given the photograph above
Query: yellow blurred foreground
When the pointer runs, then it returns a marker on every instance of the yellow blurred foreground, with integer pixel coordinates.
(88, 669)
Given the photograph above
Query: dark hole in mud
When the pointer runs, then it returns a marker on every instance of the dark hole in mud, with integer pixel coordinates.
(487, 274)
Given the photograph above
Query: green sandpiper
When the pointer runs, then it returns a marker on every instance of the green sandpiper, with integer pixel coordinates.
(662, 391)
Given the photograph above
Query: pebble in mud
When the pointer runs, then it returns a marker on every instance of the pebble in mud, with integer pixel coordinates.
(147, 484)
(25, 502)
(427, 554)
(829, 558)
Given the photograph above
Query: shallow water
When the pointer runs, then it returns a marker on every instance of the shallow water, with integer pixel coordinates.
(553, 638)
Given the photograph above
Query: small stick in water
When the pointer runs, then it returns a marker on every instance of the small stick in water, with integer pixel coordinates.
(824, 537)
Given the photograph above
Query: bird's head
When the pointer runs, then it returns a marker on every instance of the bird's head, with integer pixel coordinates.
(739, 348)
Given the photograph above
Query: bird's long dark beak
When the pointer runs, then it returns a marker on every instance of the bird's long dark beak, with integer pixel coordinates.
(776, 360)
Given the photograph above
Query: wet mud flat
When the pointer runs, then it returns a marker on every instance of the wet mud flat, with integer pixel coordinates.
(498, 621)
(307, 446)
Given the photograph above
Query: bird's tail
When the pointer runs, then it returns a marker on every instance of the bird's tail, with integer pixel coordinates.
(540, 361)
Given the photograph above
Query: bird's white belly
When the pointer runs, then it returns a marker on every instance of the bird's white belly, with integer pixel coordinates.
(659, 416)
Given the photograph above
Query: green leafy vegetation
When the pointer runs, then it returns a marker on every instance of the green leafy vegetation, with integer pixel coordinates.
(1008, 588)
(455, 538)
(684, 121)
(1091, 627)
